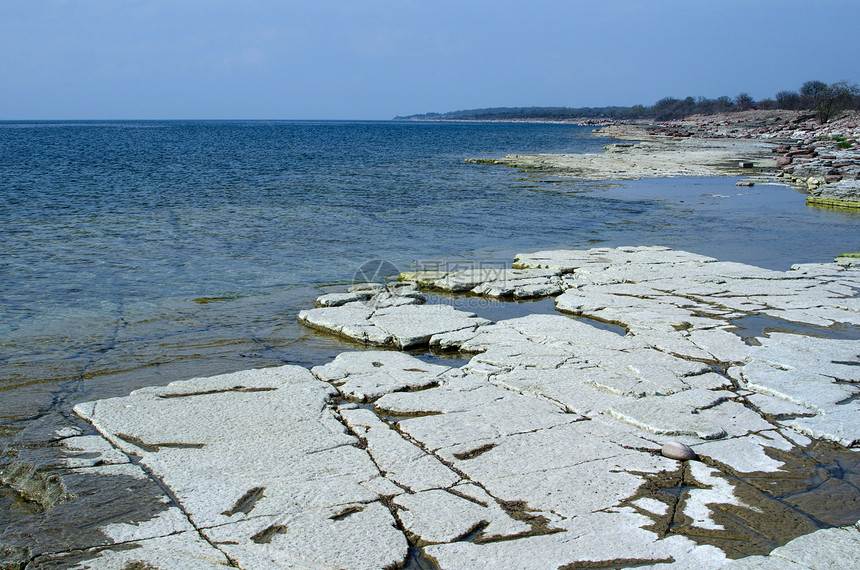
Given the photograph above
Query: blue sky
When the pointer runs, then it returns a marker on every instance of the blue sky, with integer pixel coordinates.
(374, 59)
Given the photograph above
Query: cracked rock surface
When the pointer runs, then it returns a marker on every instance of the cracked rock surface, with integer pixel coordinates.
(263, 470)
(391, 317)
(543, 451)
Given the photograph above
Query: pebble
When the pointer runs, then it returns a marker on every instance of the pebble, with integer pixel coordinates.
(677, 450)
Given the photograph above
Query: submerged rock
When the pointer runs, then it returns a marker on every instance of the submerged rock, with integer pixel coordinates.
(493, 282)
(14, 557)
(825, 548)
(46, 490)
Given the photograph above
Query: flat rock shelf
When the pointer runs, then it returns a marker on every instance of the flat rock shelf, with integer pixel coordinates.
(543, 451)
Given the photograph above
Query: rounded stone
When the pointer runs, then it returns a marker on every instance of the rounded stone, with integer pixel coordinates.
(677, 450)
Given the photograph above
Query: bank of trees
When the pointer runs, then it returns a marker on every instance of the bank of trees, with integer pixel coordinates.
(826, 101)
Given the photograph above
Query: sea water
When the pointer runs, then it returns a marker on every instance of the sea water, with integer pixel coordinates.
(137, 253)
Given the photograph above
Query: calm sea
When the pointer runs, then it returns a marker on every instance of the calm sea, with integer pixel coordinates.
(136, 253)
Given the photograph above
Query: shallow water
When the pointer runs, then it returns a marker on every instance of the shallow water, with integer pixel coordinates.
(109, 221)
(752, 327)
(816, 487)
(136, 253)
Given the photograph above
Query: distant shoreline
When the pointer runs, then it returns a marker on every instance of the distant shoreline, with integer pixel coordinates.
(790, 146)
(642, 154)
(541, 121)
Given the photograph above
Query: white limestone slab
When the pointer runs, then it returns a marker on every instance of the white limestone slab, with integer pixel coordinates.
(349, 535)
(571, 386)
(168, 522)
(778, 407)
(526, 354)
(251, 446)
(338, 299)
(521, 284)
(349, 321)
(597, 540)
(366, 375)
(402, 326)
(413, 325)
(566, 470)
(185, 549)
(820, 375)
(680, 414)
(667, 339)
(747, 454)
(714, 489)
(723, 346)
(558, 328)
(839, 425)
(542, 443)
(477, 428)
(90, 451)
(568, 260)
(401, 461)
(438, 516)
(653, 506)
(825, 548)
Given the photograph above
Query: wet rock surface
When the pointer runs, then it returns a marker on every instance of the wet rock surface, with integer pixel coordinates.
(545, 450)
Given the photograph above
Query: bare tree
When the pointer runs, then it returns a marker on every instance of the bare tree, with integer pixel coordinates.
(743, 101)
(828, 100)
(788, 100)
(811, 91)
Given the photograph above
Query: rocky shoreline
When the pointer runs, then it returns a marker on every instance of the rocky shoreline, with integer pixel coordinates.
(551, 447)
(790, 146)
(542, 441)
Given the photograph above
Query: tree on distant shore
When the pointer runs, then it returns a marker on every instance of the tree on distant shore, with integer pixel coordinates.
(788, 100)
(744, 102)
(811, 91)
(826, 100)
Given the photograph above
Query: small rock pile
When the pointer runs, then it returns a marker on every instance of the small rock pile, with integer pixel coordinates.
(824, 158)
(829, 172)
